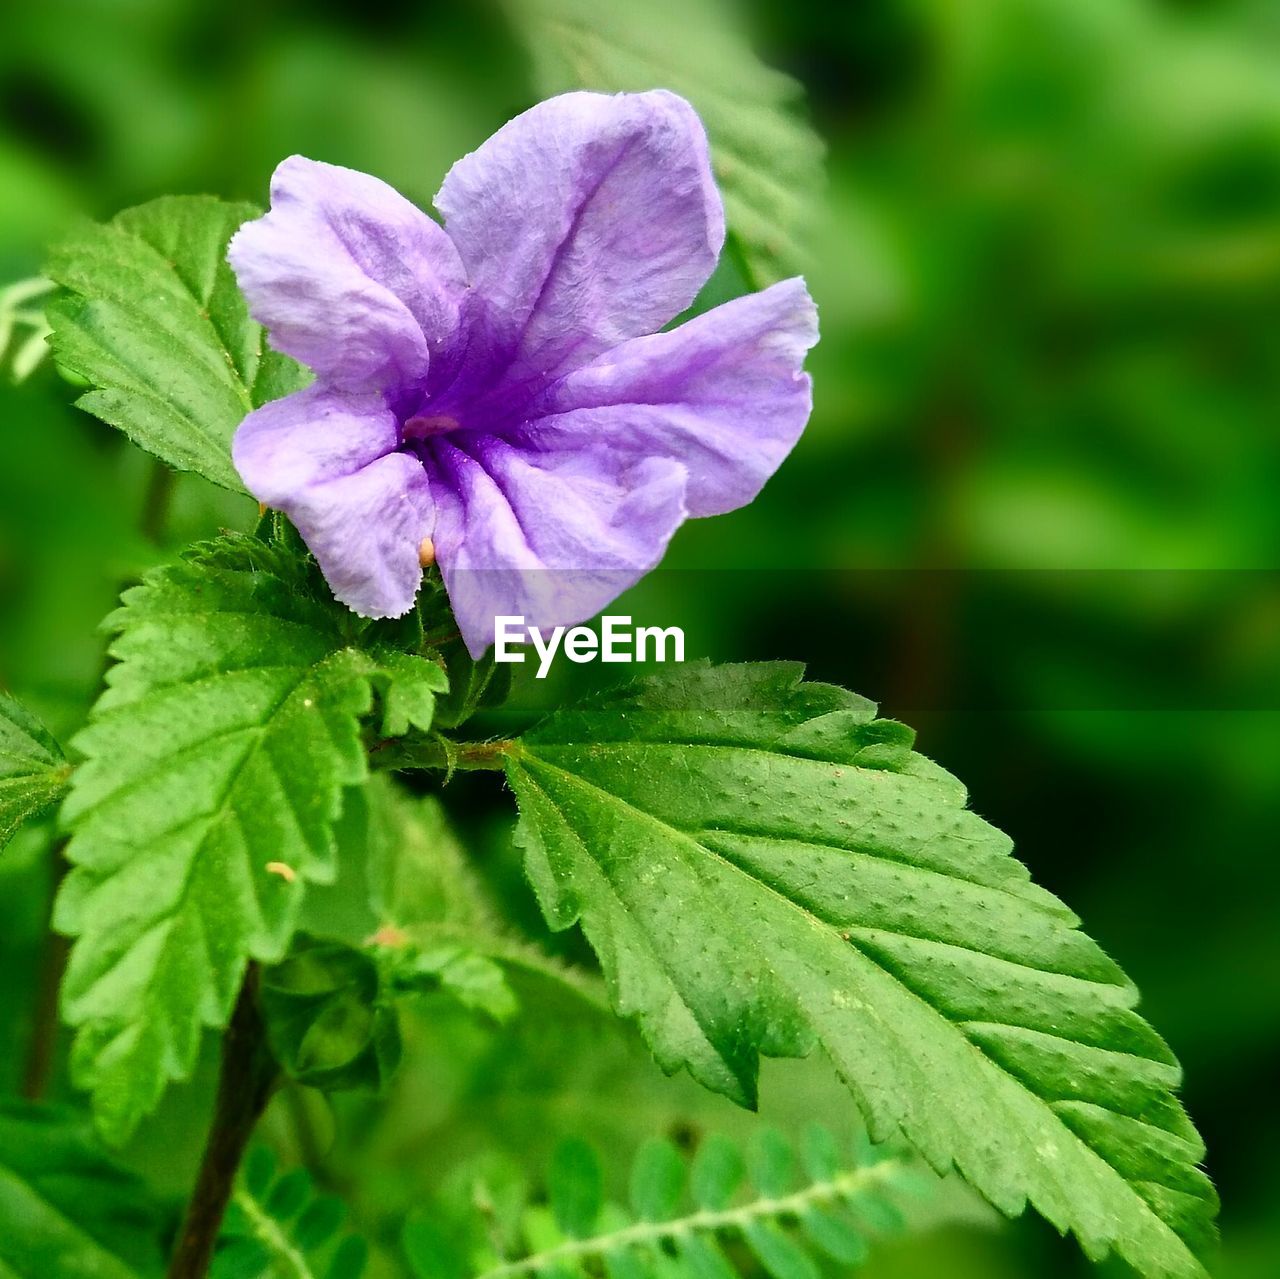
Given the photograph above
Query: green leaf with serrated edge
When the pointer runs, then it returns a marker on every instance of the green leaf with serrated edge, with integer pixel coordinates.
(768, 161)
(405, 883)
(466, 974)
(66, 1208)
(410, 684)
(156, 326)
(215, 766)
(33, 773)
(752, 886)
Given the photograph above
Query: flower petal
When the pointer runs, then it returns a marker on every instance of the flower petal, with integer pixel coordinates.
(329, 462)
(549, 536)
(723, 394)
(585, 221)
(348, 276)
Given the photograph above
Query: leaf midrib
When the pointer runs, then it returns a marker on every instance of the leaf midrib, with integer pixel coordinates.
(706, 1221)
(220, 812)
(621, 746)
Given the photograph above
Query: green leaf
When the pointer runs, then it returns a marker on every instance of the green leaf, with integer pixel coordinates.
(406, 885)
(763, 868)
(409, 683)
(155, 325)
(473, 682)
(215, 766)
(575, 1184)
(772, 1162)
(330, 1007)
(718, 1170)
(33, 773)
(66, 1209)
(430, 1252)
(24, 331)
(467, 974)
(780, 1256)
(330, 1021)
(657, 1180)
(666, 1237)
(283, 1228)
(767, 159)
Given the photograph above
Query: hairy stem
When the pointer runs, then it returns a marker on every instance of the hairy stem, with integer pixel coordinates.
(245, 1083)
(438, 752)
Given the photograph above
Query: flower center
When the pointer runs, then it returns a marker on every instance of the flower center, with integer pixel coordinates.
(423, 425)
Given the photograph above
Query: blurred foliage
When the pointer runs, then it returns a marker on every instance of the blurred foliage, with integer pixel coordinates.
(719, 1213)
(1035, 514)
(278, 1225)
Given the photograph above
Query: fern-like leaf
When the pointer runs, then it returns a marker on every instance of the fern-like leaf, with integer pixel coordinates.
(277, 1227)
(715, 1217)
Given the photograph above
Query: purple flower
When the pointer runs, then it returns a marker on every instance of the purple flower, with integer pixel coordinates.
(498, 386)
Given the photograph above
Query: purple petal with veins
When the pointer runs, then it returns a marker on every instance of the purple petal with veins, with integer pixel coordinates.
(499, 384)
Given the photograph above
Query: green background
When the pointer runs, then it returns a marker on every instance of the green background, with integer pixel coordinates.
(1036, 513)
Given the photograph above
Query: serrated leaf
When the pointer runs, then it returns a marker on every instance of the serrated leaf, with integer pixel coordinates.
(407, 885)
(215, 766)
(66, 1208)
(410, 684)
(768, 161)
(468, 975)
(753, 886)
(33, 773)
(155, 325)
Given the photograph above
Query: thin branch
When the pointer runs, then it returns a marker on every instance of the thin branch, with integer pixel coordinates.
(245, 1084)
(38, 1066)
(156, 502)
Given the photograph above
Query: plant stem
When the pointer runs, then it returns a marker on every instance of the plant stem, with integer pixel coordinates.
(245, 1084)
(156, 502)
(442, 753)
(55, 948)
